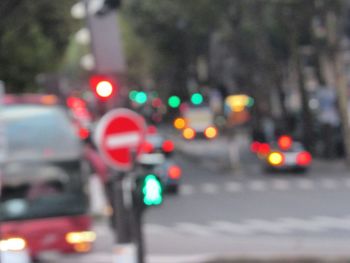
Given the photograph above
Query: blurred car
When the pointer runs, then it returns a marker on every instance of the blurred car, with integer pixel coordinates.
(157, 152)
(199, 123)
(44, 203)
(286, 155)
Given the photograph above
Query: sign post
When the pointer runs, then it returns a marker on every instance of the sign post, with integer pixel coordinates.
(119, 137)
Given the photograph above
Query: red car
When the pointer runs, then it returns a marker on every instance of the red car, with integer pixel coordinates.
(44, 199)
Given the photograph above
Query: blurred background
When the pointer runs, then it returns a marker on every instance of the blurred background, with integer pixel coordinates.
(247, 106)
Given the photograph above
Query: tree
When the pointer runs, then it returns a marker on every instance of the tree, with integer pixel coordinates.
(33, 37)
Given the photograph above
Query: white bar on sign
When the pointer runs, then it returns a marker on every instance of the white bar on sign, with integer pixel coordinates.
(123, 139)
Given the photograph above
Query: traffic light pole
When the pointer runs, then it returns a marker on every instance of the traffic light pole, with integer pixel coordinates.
(121, 218)
(127, 217)
(137, 220)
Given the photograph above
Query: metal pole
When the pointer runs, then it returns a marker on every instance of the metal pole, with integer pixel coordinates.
(121, 223)
(137, 231)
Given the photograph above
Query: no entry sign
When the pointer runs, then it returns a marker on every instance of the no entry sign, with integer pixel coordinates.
(119, 136)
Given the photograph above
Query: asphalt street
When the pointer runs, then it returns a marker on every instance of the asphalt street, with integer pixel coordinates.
(243, 214)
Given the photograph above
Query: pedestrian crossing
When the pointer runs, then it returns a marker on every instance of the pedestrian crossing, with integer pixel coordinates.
(251, 227)
(256, 185)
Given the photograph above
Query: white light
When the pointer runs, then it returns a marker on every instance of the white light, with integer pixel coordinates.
(83, 36)
(78, 10)
(104, 89)
(87, 62)
(12, 244)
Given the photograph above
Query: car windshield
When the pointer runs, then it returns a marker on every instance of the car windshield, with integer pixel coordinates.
(41, 190)
(37, 132)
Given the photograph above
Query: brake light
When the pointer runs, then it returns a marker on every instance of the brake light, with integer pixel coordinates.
(254, 147)
(168, 146)
(189, 133)
(285, 142)
(147, 147)
(84, 133)
(275, 158)
(211, 132)
(304, 159)
(174, 172)
(264, 149)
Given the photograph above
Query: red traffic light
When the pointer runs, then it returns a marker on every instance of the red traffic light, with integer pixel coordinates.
(285, 142)
(104, 87)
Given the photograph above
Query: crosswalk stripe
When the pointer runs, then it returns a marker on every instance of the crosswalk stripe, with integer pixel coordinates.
(306, 184)
(233, 187)
(280, 185)
(195, 229)
(329, 184)
(187, 189)
(209, 188)
(257, 185)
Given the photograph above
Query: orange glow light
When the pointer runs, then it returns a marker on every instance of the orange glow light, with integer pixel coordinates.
(179, 123)
(211, 132)
(188, 133)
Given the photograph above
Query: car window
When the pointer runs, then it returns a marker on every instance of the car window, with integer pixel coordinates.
(34, 132)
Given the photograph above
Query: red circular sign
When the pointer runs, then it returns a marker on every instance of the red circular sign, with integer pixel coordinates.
(119, 136)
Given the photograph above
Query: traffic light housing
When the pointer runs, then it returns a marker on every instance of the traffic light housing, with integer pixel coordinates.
(104, 87)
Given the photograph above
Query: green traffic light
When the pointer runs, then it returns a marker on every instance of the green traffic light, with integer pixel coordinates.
(141, 97)
(250, 102)
(196, 98)
(133, 95)
(174, 101)
(152, 190)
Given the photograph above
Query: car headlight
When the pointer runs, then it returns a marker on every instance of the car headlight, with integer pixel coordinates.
(13, 244)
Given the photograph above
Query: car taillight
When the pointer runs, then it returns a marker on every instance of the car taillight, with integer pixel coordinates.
(254, 147)
(147, 147)
(84, 133)
(211, 132)
(174, 172)
(304, 159)
(189, 133)
(275, 159)
(285, 142)
(264, 149)
(168, 146)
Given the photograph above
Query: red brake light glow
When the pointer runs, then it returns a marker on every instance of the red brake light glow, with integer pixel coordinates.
(84, 133)
(168, 146)
(147, 147)
(285, 142)
(304, 159)
(254, 147)
(264, 149)
(174, 172)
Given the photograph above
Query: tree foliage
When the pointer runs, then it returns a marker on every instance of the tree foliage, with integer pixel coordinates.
(33, 37)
